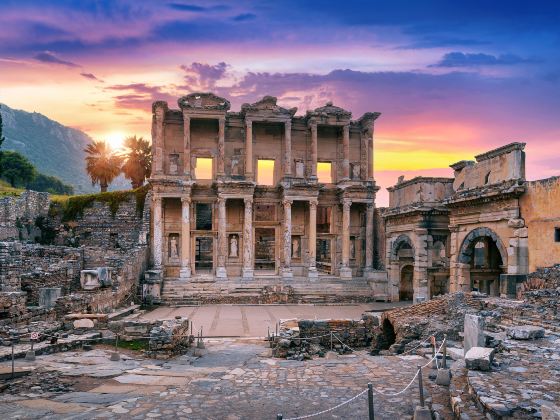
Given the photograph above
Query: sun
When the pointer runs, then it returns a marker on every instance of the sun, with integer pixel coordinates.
(115, 139)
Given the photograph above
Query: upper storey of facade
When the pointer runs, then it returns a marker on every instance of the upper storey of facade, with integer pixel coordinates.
(265, 144)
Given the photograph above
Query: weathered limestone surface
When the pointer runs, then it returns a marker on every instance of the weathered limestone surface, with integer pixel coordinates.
(525, 332)
(479, 358)
(473, 332)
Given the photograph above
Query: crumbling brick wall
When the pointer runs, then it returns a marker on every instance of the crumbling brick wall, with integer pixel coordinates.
(18, 215)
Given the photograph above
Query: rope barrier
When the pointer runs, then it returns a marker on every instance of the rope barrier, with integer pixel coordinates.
(308, 416)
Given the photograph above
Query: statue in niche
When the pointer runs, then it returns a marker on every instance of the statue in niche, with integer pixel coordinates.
(234, 166)
(296, 249)
(233, 246)
(173, 246)
(355, 171)
(173, 163)
(299, 169)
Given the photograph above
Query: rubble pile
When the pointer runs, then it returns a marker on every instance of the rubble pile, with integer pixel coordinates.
(134, 329)
(303, 339)
(170, 338)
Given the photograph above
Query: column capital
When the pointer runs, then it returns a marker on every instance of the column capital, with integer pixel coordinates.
(346, 202)
(313, 203)
(287, 202)
(346, 128)
(186, 116)
(248, 122)
(248, 201)
(312, 123)
(288, 124)
(186, 200)
(221, 200)
(157, 198)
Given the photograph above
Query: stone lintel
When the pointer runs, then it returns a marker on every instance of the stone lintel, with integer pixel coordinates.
(500, 151)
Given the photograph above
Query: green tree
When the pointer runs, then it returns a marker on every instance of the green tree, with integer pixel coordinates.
(16, 169)
(50, 184)
(103, 165)
(137, 160)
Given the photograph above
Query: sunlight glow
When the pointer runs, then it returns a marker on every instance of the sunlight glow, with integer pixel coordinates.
(115, 139)
(324, 172)
(265, 172)
(203, 168)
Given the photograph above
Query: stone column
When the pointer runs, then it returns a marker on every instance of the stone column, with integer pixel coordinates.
(221, 146)
(287, 268)
(249, 149)
(185, 272)
(345, 271)
(186, 144)
(157, 238)
(248, 267)
(346, 152)
(288, 148)
(157, 138)
(312, 270)
(370, 153)
(369, 239)
(364, 155)
(313, 127)
(222, 239)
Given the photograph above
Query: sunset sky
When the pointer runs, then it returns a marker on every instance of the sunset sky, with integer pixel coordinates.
(451, 79)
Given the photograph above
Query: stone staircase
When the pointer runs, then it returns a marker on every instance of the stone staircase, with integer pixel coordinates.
(205, 290)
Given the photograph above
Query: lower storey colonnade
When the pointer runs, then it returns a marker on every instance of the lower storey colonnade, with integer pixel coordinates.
(244, 236)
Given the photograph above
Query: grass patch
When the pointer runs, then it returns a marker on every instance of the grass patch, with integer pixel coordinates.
(8, 191)
(136, 345)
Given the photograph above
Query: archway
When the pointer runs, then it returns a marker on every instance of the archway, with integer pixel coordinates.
(485, 256)
(406, 289)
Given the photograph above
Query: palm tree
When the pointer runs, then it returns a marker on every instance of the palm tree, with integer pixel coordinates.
(103, 165)
(137, 160)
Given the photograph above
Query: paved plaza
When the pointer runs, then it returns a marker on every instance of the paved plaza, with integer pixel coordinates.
(234, 379)
(255, 320)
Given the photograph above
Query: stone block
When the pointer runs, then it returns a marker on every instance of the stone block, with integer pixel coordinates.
(422, 413)
(48, 296)
(479, 358)
(525, 332)
(443, 377)
(473, 332)
(83, 323)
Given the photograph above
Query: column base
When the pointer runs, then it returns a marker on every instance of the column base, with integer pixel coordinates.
(185, 273)
(368, 273)
(345, 273)
(287, 273)
(312, 273)
(247, 273)
(221, 273)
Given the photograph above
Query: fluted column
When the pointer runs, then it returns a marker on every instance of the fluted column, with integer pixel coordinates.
(364, 155)
(345, 271)
(249, 149)
(370, 154)
(185, 272)
(158, 233)
(313, 127)
(248, 266)
(312, 270)
(221, 146)
(346, 152)
(222, 240)
(369, 238)
(288, 148)
(186, 144)
(157, 138)
(287, 245)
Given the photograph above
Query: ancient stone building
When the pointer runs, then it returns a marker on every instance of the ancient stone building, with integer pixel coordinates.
(261, 193)
(485, 229)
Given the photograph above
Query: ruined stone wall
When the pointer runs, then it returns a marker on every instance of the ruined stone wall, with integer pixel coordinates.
(420, 190)
(18, 215)
(541, 211)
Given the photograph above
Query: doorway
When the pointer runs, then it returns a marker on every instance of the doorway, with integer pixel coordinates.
(406, 290)
(265, 250)
(203, 256)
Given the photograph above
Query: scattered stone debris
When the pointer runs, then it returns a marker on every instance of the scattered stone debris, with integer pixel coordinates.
(170, 338)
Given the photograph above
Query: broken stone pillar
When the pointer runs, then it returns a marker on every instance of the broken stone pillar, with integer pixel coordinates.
(346, 152)
(249, 149)
(222, 239)
(479, 358)
(221, 147)
(287, 245)
(313, 127)
(48, 296)
(185, 271)
(345, 270)
(288, 148)
(158, 233)
(247, 270)
(312, 270)
(186, 144)
(473, 332)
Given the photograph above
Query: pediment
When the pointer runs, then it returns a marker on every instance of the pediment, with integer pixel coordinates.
(268, 106)
(204, 101)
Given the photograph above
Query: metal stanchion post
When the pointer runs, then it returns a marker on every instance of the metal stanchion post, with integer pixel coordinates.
(331, 340)
(444, 361)
(370, 401)
(279, 417)
(420, 386)
(115, 357)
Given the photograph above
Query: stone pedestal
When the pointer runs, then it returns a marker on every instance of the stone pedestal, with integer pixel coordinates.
(473, 332)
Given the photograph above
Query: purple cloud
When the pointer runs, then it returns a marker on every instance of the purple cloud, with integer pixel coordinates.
(90, 76)
(459, 59)
(204, 76)
(243, 17)
(50, 58)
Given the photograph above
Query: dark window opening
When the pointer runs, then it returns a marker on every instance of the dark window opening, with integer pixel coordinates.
(203, 216)
(324, 219)
(203, 254)
(556, 234)
(487, 178)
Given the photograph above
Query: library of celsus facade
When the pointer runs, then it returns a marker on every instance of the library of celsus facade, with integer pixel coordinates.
(261, 193)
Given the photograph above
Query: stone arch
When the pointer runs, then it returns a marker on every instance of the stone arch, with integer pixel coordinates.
(398, 243)
(466, 251)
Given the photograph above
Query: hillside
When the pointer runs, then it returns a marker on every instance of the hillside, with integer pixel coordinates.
(53, 148)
